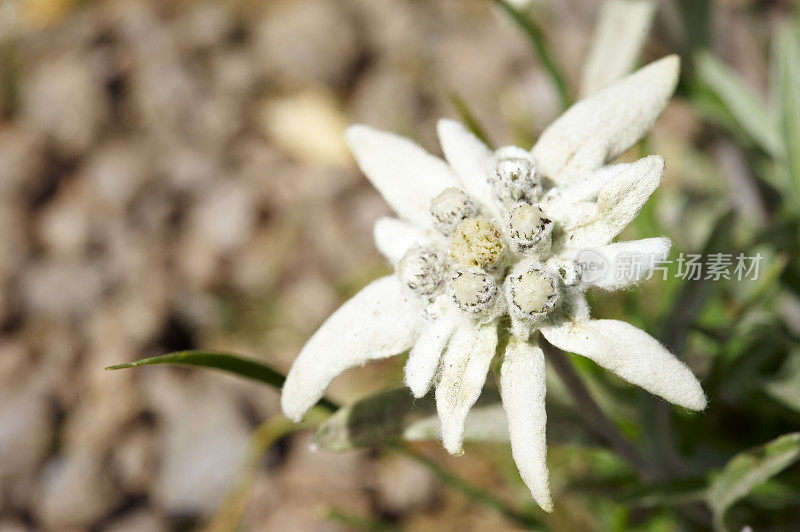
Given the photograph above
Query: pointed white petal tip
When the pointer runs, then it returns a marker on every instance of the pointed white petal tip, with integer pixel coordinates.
(633, 355)
(375, 323)
(523, 390)
(603, 126)
(452, 438)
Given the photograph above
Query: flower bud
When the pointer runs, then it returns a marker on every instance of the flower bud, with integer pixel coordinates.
(474, 290)
(529, 228)
(531, 292)
(450, 208)
(422, 271)
(568, 270)
(476, 242)
(514, 177)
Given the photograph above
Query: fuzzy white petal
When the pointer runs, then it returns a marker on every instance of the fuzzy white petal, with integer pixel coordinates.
(603, 126)
(632, 354)
(375, 323)
(423, 361)
(619, 35)
(469, 157)
(626, 263)
(585, 189)
(618, 203)
(393, 237)
(407, 176)
(464, 367)
(522, 389)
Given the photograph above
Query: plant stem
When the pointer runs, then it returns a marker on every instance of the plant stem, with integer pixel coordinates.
(469, 119)
(536, 39)
(473, 492)
(590, 411)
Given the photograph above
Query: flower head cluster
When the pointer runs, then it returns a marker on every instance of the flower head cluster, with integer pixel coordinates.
(490, 234)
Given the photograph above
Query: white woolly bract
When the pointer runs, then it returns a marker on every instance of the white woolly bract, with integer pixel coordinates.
(584, 189)
(469, 157)
(423, 361)
(619, 35)
(632, 354)
(629, 262)
(603, 126)
(464, 367)
(375, 323)
(618, 203)
(407, 176)
(394, 237)
(522, 389)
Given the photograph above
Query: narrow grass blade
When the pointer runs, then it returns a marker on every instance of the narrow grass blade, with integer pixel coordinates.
(786, 65)
(469, 119)
(245, 367)
(535, 37)
(740, 101)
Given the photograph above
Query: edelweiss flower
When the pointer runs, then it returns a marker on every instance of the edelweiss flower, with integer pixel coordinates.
(494, 234)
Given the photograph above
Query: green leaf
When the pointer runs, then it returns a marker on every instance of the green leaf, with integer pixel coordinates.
(740, 101)
(536, 39)
(786, 65)
(786, 388)
(468, 117)
(670, 493)
(394, 414)
(245, 367)
(749, 469)
(371, 421)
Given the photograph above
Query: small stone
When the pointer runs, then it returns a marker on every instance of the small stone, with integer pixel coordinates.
(76, 491)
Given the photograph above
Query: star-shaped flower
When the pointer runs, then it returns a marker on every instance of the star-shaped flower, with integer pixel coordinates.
(492, 234)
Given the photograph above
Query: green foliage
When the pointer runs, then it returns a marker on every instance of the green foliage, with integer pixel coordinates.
(537, 42)
(786, 65)
(244, 367)
(748, 470)
(741, 101)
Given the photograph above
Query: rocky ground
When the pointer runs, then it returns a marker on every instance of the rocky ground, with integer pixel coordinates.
(172, 176)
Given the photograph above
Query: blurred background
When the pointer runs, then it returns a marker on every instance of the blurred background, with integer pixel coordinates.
(173, 176)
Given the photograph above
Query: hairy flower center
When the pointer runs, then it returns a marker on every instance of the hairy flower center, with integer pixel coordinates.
(514, 177)
(533, 292)
(476, 242)
(529, 228)
(451, 207)
(474, 290)
(422, 270)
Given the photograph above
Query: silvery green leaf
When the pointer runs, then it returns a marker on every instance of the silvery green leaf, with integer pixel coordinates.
(372, 420)
(395, 413)
(618, 39)
(486, 421)
(748, 470)
(786, 63)
(741, 102)
(786, 388)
